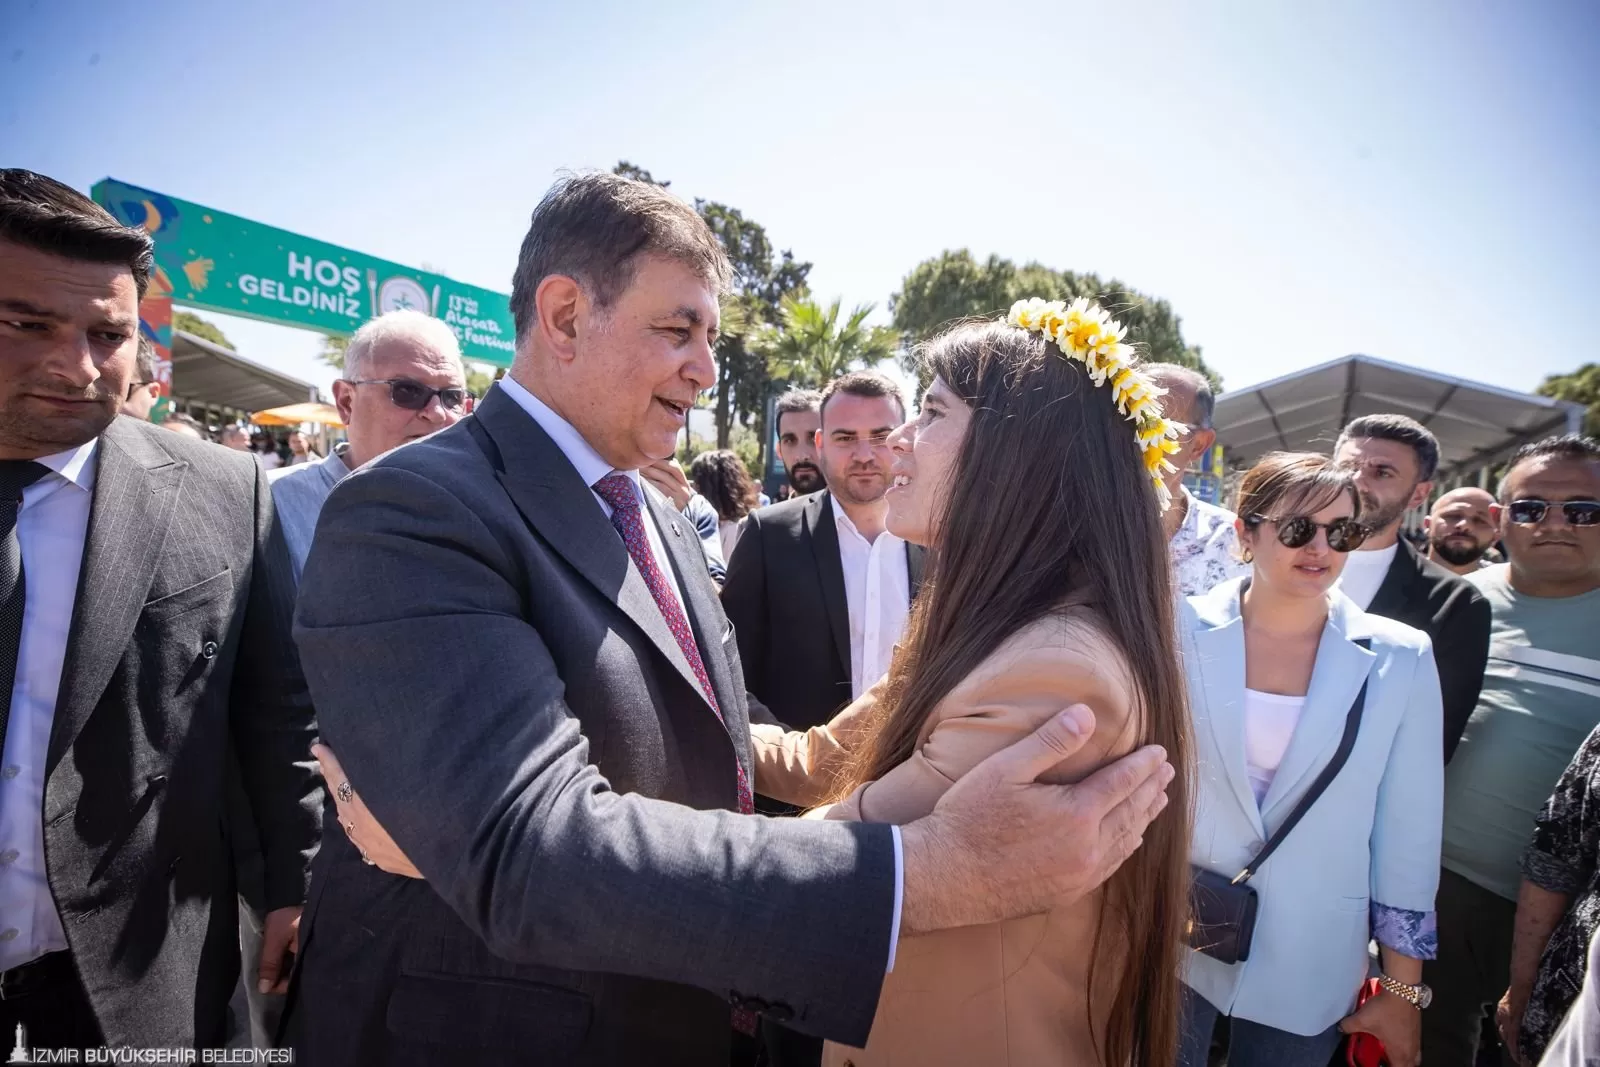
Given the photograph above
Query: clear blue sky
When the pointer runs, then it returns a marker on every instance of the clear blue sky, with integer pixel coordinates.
(1418, 181)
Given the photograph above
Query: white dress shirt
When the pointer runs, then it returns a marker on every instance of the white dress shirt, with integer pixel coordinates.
(51, 527)
(591, 468)
(877, 590)
(1364, 572)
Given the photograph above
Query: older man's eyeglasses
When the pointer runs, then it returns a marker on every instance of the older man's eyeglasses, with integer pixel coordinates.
(1578, 512)
(414, 396)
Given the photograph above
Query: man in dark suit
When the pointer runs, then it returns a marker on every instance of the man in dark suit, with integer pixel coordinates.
(520, 661)
(145, 605)
(1394, 459)
(818, 590)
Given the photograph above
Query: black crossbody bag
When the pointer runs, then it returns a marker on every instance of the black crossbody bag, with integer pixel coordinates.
(1222, 920)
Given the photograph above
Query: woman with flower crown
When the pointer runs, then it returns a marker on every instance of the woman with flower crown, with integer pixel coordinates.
(1032, 471)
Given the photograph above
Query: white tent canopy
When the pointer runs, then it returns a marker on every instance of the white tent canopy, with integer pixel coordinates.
(1477, 425)
(212, 376)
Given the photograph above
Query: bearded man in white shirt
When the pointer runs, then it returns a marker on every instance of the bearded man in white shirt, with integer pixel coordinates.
(1394, 459)
(818, 589)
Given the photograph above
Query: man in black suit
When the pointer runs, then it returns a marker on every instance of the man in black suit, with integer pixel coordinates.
(521, 663)
(145, 605)
(818, 590)
(1394, 459)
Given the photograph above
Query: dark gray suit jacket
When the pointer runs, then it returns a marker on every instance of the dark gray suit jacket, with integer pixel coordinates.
(179, 668)
(506, 697)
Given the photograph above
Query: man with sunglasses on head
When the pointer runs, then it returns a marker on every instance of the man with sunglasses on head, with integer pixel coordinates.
(403, 380)
(1540, 699)
(1394, 459)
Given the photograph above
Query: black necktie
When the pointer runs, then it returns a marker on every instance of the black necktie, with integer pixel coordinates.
(15, 476)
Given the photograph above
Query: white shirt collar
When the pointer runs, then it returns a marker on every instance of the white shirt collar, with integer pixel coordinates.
(75, 465)
(590, 465)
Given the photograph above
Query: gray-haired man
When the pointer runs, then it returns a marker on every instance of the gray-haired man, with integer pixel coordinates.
(1201, 538)
(403, 380)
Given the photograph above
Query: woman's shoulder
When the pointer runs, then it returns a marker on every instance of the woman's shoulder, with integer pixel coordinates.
(1385, 634)
(1064, 658)
(1070, 642)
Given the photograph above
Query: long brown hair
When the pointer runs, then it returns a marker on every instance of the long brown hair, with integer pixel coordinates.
(1049, 501)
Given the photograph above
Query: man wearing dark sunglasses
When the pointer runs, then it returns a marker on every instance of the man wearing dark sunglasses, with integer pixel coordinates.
(1394, 459)
(403, 380)
(1541, 698)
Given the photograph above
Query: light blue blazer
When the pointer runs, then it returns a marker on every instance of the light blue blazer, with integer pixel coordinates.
(1373, 836)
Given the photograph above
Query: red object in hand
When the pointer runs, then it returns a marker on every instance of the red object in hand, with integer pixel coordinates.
(1364, 1050)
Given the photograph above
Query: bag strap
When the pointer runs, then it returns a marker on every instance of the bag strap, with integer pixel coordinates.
(1352, 726)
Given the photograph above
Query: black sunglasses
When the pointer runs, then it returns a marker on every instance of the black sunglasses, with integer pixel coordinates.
(414, 396)
(1344, 535)
(1578, 512)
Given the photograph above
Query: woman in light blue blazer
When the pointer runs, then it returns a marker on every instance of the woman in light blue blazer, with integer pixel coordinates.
(1275, 661)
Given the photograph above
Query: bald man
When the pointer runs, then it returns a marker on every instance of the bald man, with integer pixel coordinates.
(1460, 531)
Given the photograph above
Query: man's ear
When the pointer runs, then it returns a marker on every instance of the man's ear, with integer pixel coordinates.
(558, 303)
(1419, 495)
(344, 398)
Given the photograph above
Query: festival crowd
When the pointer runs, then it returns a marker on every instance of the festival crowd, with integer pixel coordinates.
(498, 738)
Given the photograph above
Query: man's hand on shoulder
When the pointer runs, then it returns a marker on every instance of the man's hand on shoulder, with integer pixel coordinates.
(1000, 845)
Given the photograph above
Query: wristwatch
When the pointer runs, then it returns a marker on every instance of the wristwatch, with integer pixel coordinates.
(1418, 996)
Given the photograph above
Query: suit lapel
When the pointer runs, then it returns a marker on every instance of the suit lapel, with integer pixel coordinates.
(688, 559)
(547, 490)
(135, 489)
(1395, 592)
(1342, 667)
(825, 546)
(1219, 653)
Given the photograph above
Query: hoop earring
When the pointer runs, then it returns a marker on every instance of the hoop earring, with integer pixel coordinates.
(1246, 556)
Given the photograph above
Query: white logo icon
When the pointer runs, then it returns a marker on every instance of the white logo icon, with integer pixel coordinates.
(19, 1052)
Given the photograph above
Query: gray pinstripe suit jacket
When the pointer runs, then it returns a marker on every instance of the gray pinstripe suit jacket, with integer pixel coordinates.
(507, 699)
(179, 663)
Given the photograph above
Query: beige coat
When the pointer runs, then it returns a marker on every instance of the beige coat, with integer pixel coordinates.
(1012, 993)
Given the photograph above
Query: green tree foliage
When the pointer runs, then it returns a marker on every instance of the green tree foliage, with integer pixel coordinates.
(189, 322)
(628, 170)
(1582, 386)
(333, 349)
(478, 379)
(954, 286)
(811, 347)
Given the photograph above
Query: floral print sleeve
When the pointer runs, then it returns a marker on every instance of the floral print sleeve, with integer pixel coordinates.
(1563, 857)
(1410, 933)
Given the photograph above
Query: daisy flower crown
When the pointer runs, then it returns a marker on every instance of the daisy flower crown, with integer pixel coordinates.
(1086, 334)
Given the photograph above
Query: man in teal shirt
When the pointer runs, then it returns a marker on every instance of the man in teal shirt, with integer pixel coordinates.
(1540, 699)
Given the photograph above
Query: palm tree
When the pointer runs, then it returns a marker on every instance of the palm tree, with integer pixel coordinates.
(811, 347)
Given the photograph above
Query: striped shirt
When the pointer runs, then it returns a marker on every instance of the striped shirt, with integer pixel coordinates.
(1540, 699)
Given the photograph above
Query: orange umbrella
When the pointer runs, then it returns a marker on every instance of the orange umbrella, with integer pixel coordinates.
(295, 414)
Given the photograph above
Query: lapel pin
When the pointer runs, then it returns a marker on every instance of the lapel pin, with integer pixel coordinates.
(677, 531)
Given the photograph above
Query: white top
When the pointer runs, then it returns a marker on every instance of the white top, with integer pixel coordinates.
(1364, 573)
(877, 590)
(51, 528)
(1269, 722)
(591, 468)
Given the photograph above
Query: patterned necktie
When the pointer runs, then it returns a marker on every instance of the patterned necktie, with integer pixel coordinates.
(15, 476)
(619, 491)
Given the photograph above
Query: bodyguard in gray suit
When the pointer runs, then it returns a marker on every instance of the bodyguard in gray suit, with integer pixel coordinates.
(522, 665)
(145, 604)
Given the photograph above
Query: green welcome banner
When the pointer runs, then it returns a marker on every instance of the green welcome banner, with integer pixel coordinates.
(220, 262)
